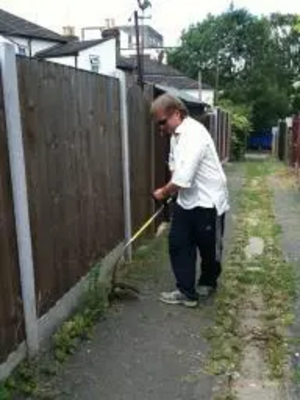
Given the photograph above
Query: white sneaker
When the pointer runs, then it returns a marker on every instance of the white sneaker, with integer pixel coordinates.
(176, 297)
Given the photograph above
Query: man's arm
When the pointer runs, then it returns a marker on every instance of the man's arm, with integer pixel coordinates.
(166, 191)
(190, 154)
(188, 158)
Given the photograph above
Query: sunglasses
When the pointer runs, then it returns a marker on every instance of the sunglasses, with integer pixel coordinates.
(162, 122)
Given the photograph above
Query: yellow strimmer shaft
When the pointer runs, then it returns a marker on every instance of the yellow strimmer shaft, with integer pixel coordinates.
(124, 286)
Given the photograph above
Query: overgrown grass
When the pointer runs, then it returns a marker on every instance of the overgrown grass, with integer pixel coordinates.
(268, 273)
(79, 328)
(277, 279)
(4, 393)
(224, 336)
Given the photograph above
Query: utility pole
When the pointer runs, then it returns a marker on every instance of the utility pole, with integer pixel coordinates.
(200, 84)
(217, 81)
(138, 51)
(143, 5)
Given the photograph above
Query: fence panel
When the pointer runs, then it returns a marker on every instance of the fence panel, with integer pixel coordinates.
(295, 142)
(141, 138)
(11, 311)
(71, 129)
(282, 140)
(219, 126)
(228, 137)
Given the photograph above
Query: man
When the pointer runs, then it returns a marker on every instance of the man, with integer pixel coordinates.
(202, 200)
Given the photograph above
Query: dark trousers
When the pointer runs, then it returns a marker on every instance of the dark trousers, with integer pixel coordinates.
(198, 228)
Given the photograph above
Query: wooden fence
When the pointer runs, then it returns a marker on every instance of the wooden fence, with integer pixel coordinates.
(295, 143)
(141, 145)
(71, 129)
(219, 125)
(286, 142)
(73, 154)
(71, 126)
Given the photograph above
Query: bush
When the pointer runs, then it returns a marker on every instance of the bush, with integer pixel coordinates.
(240, 128)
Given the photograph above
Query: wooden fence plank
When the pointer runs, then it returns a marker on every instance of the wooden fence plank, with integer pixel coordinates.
(140, 144)
(71, 127)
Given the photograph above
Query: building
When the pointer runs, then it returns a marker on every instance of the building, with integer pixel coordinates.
(151, 41)
(169, 79)
(101, 50)
(32, 40)
(99, 55)
(149, 37)
(27, 37)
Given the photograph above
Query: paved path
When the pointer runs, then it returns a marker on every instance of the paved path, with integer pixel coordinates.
(145, 350)
(287, 211)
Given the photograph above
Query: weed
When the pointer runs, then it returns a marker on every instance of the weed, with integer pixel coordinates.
(268, 273)
(79, 327)
(4, 393)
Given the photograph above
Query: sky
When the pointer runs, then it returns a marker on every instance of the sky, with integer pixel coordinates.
(169, 17)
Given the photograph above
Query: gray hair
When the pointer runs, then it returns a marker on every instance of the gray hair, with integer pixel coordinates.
(169, 104)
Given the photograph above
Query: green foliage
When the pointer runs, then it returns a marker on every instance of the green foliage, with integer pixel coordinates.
(248, 59)
(23, 380)
(4, 393)
(79, 327)
(240, 125)
(264, 283)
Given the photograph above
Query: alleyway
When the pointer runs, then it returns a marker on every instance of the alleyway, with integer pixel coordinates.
(145, 350)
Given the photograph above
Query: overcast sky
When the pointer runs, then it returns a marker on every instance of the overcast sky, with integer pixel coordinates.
(169, 17)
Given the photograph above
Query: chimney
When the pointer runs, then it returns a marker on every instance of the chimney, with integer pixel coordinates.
(110, 23)
(69, 32)
(111, 33)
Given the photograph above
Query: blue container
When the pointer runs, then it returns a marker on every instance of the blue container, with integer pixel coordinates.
(261, 140)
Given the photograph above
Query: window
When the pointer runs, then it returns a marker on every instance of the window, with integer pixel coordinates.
(95, 68)
(95, 63)
(21, 50)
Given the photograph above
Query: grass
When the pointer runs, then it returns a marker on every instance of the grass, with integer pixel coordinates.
(277, 279)
(224, 336)
(4, 393)
(268, 274)
(147, 262)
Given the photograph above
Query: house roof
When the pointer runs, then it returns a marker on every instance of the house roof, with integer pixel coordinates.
(16, 26)
(70, 49)
(155, 68)
(162, 74)
(180, 82)
(182, 95)
(125, 63)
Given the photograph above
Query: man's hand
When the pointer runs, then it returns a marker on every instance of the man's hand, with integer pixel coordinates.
(164, 192)
(159, 194)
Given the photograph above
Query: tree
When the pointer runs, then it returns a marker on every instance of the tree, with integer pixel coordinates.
(252, 60)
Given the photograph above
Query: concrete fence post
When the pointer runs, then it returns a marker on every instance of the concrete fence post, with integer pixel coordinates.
(19, 188)
(125, 159)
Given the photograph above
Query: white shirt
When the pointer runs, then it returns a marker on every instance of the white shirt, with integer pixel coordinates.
(196, 168)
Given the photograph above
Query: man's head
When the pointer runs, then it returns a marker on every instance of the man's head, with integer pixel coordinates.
(168, 112)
